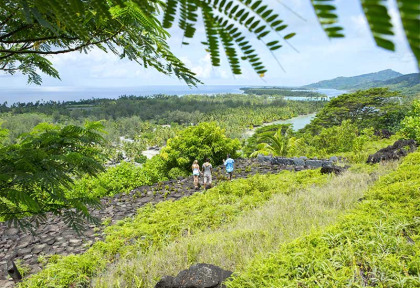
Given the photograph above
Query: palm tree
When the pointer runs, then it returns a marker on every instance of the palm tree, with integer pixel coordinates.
(276, 145)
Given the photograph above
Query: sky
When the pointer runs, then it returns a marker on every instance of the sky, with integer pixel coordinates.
(308, 57)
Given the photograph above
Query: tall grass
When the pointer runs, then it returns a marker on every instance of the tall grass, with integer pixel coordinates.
(259, 231)
(156, 226)
(376, 244)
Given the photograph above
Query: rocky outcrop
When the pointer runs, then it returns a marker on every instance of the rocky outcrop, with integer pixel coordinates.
(383, 133)
(394, 152)
(56, 238)
(197, 276)
(333, 169)
(298, 161)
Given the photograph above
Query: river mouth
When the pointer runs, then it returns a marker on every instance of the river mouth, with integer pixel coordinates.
(297, 122)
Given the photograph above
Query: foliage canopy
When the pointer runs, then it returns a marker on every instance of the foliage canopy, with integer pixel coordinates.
(30, 30)
(36, 172)
(377, 107)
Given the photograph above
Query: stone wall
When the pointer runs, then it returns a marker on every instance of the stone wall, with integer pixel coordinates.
(300, 162)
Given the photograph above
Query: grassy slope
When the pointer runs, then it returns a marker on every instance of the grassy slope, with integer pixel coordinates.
(261, 230)
(156, 226)
(368, 247)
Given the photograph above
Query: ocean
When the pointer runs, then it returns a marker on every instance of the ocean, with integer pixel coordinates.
(60, 93)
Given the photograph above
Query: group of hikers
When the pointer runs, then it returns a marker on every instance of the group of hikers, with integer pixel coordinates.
(207, 169)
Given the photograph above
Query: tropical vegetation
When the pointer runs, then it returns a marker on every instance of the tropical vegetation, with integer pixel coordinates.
(357, 229)
(36, 172)
(374, 244)
(191, 229)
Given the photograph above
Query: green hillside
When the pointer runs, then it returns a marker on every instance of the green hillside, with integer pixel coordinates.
(408, 85)
(345, 83)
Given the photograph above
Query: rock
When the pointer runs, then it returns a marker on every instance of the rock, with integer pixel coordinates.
(165, 282)
(50, 241)
(383, 133)
(24, 251)
(333, 169)
(24, 241)
(11, 232)
(6, 284)
(281, 161)
(75, 242)
(394, 152)
(13, 271)
(298, 162)
(327, 163)
(197, 276)
(314, 163)
(38, 248)
(261, 158)
(334, 159)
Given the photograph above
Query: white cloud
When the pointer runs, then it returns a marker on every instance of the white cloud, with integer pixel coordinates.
(204, 70)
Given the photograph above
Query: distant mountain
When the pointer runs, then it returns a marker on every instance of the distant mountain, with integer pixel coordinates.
(408, 80)
(408, 84)
(348, 83)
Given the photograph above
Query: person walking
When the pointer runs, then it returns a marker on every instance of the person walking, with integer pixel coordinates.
(229, 166)
(207, 169)
(196, 172)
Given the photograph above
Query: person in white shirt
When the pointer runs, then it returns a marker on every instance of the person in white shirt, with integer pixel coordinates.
(207, 168)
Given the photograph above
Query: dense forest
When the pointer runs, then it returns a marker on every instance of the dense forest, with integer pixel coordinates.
(287, 92)
(150, 121)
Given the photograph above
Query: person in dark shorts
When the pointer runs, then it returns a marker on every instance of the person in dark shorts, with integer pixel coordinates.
(229, 166)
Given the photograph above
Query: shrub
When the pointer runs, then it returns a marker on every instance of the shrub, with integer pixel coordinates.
(140, 159)
(199, 142)
(176, 172)
(121, 179)
(411, 123)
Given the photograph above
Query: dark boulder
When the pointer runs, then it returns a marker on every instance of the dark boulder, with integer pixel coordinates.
(394, 152)
(298, 162)
(165, 282)
(333, 169)
(261, 158)
(383, 133)
(197, 276)
(282, 161)
(334, 159)
(327, 163)
(314, 163)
